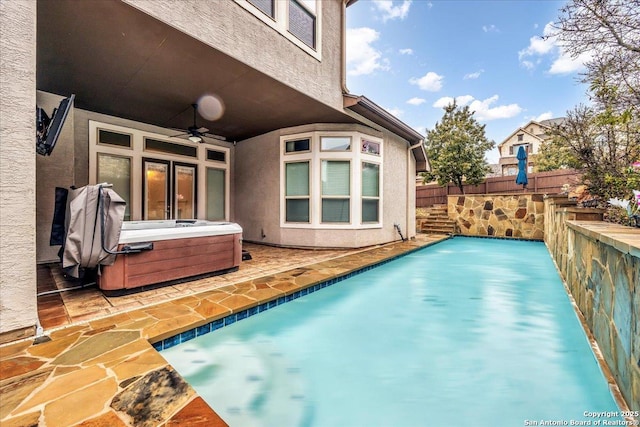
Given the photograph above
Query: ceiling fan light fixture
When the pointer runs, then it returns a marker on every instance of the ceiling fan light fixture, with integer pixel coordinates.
(195, 138)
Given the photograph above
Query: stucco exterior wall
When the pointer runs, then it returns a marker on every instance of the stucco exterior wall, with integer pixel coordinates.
(509, 215)
(603, 276)
(258, 182)
(235, 31)
(18, 307)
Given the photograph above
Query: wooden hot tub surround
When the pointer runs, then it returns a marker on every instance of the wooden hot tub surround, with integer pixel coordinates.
(172, 259)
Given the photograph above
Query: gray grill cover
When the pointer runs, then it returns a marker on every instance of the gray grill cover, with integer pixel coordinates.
(83, 244)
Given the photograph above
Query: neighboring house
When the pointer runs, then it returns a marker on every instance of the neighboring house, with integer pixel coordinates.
(529, 136)
(304, 164)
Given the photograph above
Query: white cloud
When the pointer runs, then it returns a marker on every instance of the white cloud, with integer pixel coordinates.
(528, 65)
(490, 29)
(391, 11)
(362, 57)
(548, 46)
(565, 64)
(544, 116)
(443, 102)
(464, 99)
(484, 111)
(431, 82)
(406, 51)
(460, 100)
(472, 76)
(416, 101)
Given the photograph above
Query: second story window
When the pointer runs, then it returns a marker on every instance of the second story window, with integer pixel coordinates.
(302, 21)
(520, 136)
(266, 6)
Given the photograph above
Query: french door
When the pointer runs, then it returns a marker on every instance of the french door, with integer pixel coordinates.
(169, 189)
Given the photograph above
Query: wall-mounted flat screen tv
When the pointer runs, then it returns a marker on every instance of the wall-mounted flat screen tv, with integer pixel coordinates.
(48, 128)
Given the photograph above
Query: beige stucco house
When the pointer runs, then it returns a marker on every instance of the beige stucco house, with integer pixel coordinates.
(304, 163)
(529, 136)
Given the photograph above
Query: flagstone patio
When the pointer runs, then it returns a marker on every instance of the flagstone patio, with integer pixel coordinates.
(96, 365)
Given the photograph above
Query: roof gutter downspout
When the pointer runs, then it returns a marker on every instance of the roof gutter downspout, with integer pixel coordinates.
(411, 186)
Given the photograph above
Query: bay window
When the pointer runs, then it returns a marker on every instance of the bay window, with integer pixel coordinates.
(329, 184)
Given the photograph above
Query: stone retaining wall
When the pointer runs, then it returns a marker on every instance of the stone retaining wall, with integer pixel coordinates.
(498, 215)
(600, 263)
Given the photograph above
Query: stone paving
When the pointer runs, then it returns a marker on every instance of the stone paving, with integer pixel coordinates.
(96, 365)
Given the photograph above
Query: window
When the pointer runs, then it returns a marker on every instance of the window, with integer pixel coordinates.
(326, 184)
(116, 170)
(159, 178)
(266, 6)
(216, 194)
(299, 21)
(114, 138)
(370, 147)
(370, 192)
(297, 192)
(511, 149)
(298, 145)
(302, 23)
(520, 137)
(336, 191)
(333, 143)
(170, 148)
(216, 156)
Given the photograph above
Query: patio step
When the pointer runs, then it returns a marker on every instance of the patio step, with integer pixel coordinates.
(436, 221)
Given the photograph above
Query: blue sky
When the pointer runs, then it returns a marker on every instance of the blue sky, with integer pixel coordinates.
(413, 57)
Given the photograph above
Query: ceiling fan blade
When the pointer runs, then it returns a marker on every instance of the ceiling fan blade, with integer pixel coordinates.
(180, 134)
(214, 136)
(202, 130)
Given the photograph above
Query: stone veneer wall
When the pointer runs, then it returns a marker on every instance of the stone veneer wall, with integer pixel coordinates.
(602, 271)
(498, 215)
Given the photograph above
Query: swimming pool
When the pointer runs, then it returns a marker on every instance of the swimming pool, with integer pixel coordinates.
(469, 331)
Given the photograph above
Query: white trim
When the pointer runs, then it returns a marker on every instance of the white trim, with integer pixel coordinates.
(137, 152)
(315, 157)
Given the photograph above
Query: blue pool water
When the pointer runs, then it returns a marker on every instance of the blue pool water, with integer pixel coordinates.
(476, 332)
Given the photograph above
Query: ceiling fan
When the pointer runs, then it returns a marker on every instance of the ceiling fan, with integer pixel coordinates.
(197, 133)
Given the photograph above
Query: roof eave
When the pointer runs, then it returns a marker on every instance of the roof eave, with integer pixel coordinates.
(368, 109)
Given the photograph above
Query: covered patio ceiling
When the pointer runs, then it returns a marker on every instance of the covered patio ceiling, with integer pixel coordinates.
(121, 62)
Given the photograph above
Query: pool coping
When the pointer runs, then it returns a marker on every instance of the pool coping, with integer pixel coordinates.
(115, 362)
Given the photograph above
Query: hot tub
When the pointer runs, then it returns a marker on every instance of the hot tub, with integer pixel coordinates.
(181, 249)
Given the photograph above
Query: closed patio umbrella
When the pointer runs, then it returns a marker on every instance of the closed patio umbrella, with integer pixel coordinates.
(522, 167)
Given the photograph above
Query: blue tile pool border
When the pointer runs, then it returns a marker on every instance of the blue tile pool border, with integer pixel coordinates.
(251, 311)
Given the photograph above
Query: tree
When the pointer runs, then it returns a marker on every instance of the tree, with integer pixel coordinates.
(602, 143)
(456, 148)
(602, 139)
(609, 30)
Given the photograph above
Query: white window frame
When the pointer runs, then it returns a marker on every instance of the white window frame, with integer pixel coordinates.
(308, 197)
(136, 152)
(315, 156)
(378, 197)
(281, 23)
